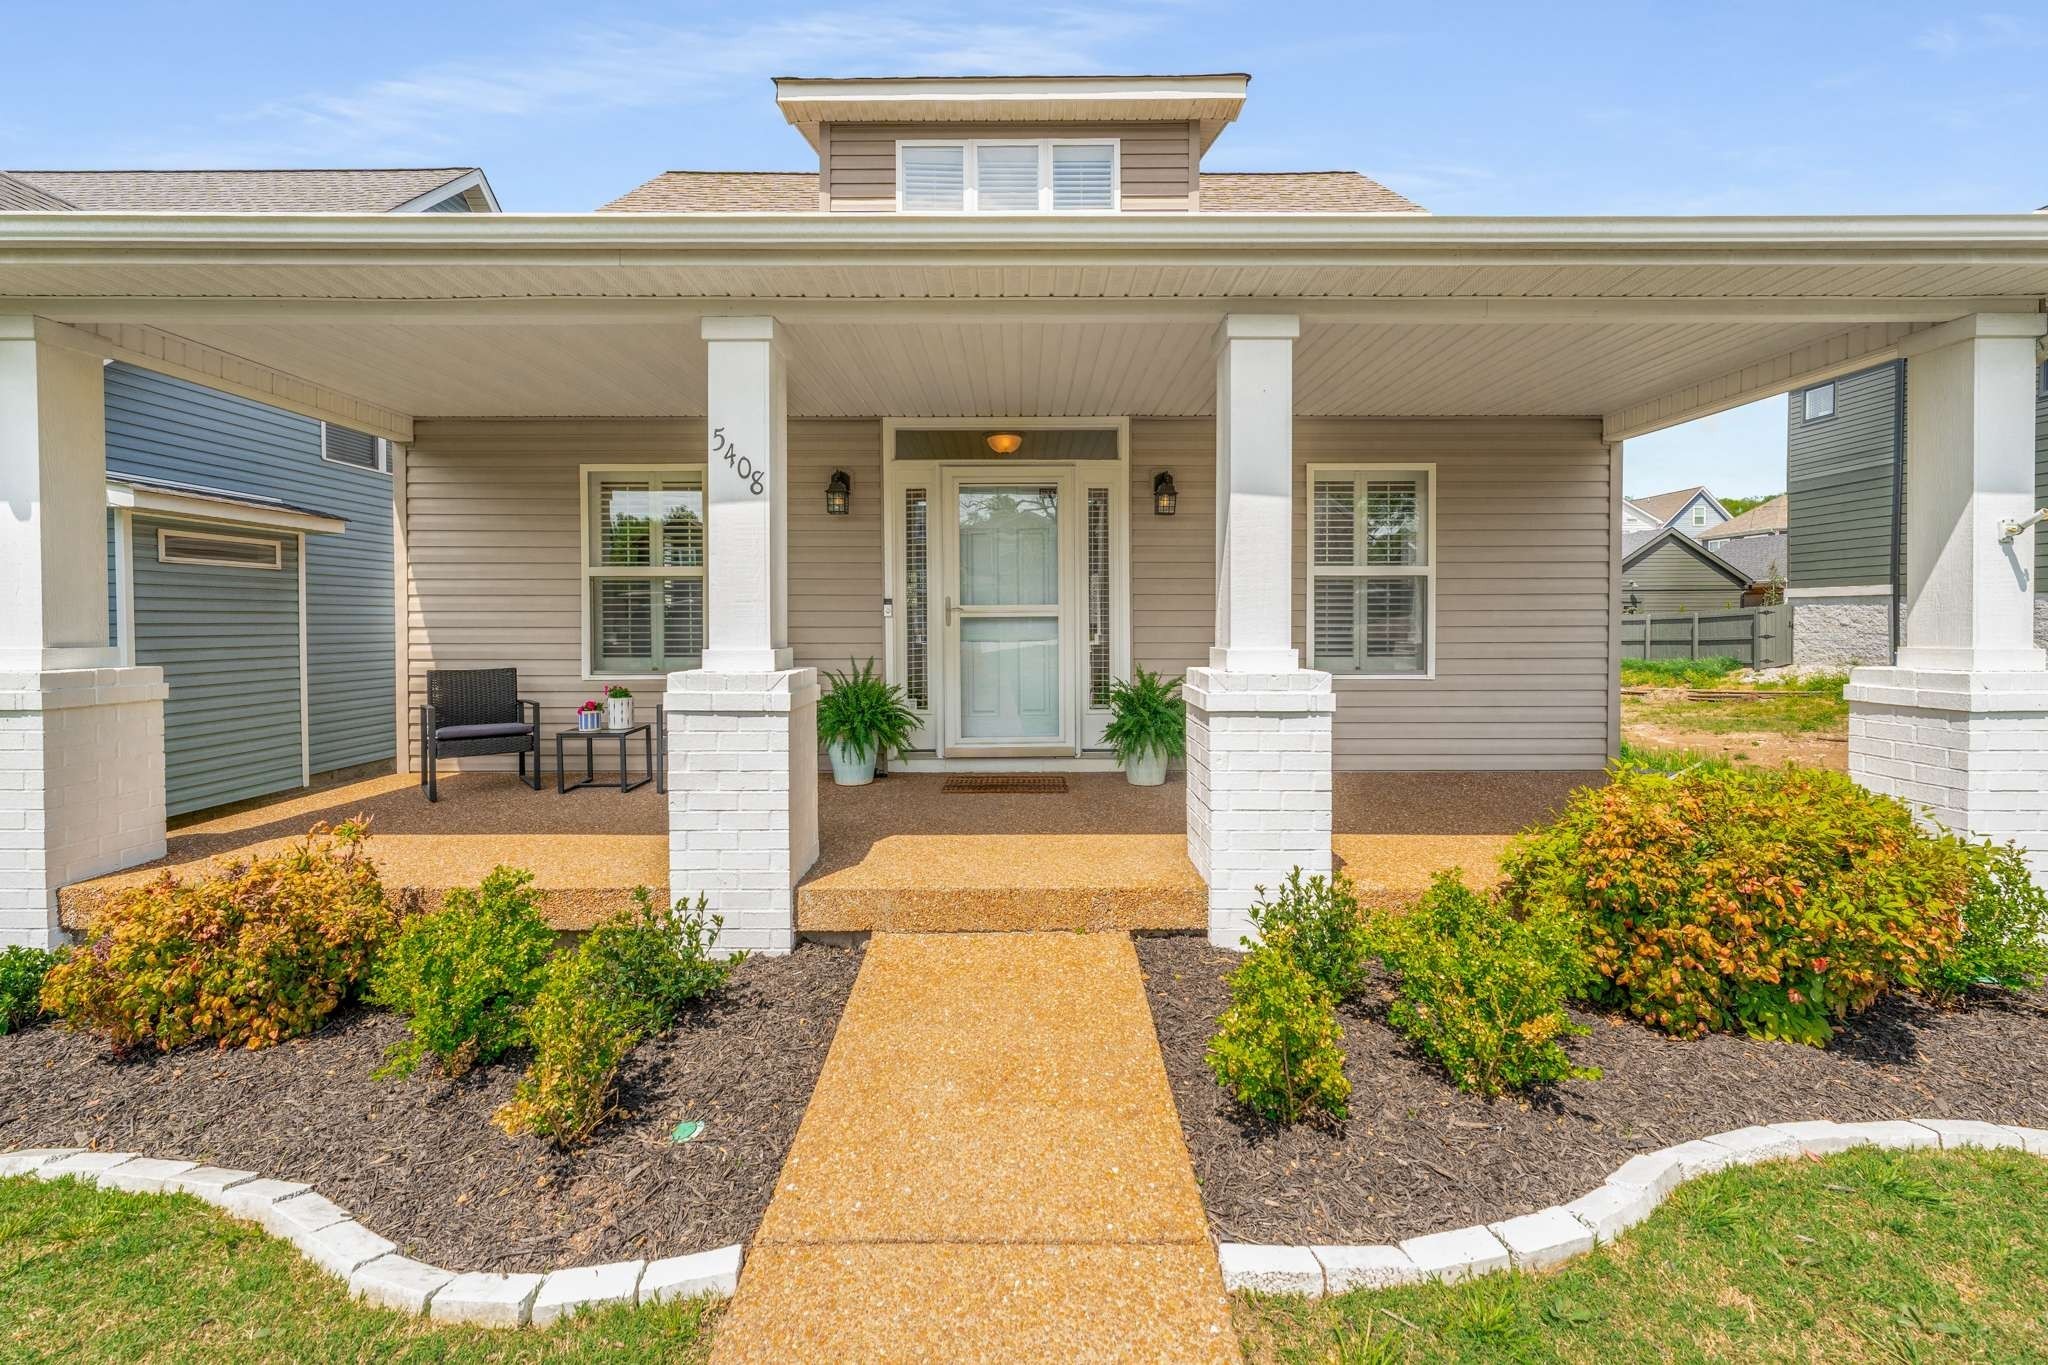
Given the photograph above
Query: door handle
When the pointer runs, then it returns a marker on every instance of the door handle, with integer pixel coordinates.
(950, 610)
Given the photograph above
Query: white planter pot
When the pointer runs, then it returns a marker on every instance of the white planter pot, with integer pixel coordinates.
(590, 720)
(618, 713)
(1148, 771)
(851, 768)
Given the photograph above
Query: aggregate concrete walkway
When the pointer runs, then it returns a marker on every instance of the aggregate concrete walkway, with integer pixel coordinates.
(990, 1169)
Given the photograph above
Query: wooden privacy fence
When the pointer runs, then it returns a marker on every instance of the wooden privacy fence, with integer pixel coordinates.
(1761, 637)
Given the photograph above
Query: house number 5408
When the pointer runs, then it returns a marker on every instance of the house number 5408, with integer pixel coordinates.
(736, 462)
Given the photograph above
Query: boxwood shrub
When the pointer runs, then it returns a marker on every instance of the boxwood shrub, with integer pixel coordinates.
(1277, 1048)
(1773, 902)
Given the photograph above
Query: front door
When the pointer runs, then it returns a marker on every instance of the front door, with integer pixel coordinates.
(1008, 548)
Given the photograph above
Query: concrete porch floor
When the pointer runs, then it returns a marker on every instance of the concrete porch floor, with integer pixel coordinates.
(900, 854)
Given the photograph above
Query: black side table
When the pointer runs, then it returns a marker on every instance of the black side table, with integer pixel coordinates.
(590, 739)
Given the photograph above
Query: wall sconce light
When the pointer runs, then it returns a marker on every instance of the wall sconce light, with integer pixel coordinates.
(838, 494)
(1165, 497)
(1004, 442)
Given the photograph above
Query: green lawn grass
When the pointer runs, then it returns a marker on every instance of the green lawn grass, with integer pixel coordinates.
(1677, 672)
(1769, 713)
(94, 1275)
(1868, 1256)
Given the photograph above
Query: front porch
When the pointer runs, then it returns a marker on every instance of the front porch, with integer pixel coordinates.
(902, 854)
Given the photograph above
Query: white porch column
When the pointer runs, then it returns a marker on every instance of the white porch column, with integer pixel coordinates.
(1960, 726)
(743, 729)
(81, 738)
(1258, 760)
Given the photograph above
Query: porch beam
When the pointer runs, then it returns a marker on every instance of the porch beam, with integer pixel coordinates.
(1464, 310)
(1853, 350)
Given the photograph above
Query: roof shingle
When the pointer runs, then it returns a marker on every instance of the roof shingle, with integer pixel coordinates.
(1222, 192)
(1760, 520)
(285, 191)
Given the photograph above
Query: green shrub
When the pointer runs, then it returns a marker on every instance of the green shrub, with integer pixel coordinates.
(1320, 920)
(21, 985)
(1770, 901)
(1711, 672)
(1483, 992)
(2005, 928)
(656, 962)
(465, 975)
(259, 953)
(1276, 1048)
(581, 1035)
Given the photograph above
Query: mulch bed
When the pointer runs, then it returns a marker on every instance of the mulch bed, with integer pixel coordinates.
(1418, 1155)
(419, 1161)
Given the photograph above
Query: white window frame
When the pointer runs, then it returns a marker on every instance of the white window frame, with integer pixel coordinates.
(587, 661)
(1425, 571)
(1806, 395)
(970, 170)
(164, 556)
(383, 454)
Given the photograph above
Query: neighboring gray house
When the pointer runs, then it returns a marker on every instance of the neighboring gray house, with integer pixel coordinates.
(1668, 571)
(250, 549)
(1845, 460)
(1693, 510)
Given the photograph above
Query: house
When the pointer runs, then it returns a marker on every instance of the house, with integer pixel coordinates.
(1014, 396)
(250, 550)
(1848, 454)
(1667, 572)
(1694, 511)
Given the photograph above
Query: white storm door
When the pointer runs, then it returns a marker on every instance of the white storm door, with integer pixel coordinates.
(1006, 606)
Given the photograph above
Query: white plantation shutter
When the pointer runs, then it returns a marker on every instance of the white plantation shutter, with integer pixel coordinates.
(645, 568)
(1371, 570)
(1082, 176)
(934, 179)
(1006, 178)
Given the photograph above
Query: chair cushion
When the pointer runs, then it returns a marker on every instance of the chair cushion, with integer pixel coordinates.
(503, 730)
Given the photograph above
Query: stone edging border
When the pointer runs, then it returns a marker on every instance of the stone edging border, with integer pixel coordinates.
(331, 1238)
(1538, 1241)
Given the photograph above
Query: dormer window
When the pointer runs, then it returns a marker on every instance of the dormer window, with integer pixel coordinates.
(985, 175)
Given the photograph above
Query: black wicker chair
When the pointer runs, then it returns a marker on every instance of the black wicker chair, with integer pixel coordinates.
(476, 711)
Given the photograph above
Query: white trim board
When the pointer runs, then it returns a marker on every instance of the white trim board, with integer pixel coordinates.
(218, 511)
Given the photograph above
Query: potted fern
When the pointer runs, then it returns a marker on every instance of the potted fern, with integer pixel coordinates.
(1148, 726)
(861, 719)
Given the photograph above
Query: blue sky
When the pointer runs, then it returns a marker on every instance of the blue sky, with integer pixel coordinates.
(1477, 108)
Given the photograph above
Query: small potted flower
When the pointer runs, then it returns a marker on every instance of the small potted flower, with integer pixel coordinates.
(1148, 725)
(861, 719)
(590, 716)
(618, 708)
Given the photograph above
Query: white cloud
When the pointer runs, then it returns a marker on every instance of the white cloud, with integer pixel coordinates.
(595, 68)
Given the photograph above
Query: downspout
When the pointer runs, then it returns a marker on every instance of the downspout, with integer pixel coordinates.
(1898, 600)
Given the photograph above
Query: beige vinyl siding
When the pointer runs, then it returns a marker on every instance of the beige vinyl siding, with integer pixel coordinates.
(1159, 161)
(493, 546)
(1523, 586)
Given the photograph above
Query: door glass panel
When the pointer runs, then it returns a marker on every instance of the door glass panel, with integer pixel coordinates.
(1010, 677)
(1009, 547)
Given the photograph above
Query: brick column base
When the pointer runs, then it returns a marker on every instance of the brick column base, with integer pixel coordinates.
(1969, 750)
(743, 798)
(81, 786)
(1258, 778)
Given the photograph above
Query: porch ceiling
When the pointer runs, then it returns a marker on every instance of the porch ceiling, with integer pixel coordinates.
(597, 314)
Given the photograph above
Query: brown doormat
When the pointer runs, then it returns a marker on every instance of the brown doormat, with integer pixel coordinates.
(1007, 783)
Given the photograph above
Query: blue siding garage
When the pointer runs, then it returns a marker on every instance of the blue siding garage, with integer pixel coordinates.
(167, 429)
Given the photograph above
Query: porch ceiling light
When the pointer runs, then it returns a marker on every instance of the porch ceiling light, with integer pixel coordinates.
(838, 494)
(1004, 442)
(1165, 497)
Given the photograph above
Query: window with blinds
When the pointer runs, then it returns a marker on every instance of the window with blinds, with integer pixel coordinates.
(917, 600)
(1372, 568)
(1098, 597)
(644, 570)
(1007, 176)
(217, 551)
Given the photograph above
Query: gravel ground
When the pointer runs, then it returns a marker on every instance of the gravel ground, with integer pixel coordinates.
(419, 1160)
(1420, 1156)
